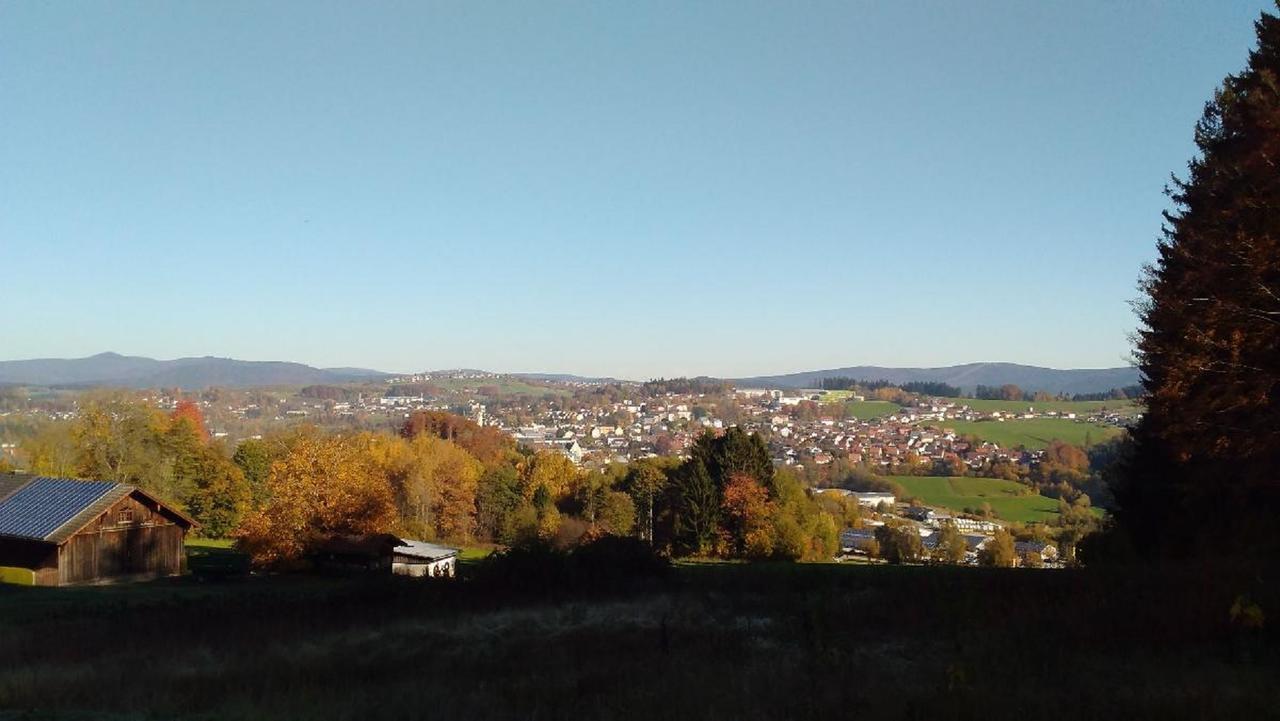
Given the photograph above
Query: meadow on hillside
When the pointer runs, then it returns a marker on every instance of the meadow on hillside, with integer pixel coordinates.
(502, 385)
(1035, 433)
(1078, 407)
(1010, 500)
(866, 410)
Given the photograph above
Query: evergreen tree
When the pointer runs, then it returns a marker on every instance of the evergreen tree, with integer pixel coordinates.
(696, 502)
(735, 452)
(1206, 467)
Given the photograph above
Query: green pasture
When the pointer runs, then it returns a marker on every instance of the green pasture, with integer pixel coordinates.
(1035, 433)
(1011, 501)
(505, 386)
(865, 410)
(1077, 407)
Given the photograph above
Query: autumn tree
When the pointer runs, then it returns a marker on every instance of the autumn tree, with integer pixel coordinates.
(52, 450)
(899, 542)
(434, 483)
(1207, 347)
(645, 481)
(546, 517)
(1075, 522)
(951, 465)
(323, 487)
(846, 510)
(951, 546)
(999, 551)
(802, 529)
(617, 515)
(1066, 456)
(486, 443)
(747, 513)
(118, 441)
(220, 495)
(187, 412)
(498, 502)
(550, 470)
(187, 454)
(254, 457)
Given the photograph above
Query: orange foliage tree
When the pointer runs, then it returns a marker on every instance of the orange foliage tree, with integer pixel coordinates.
(189, 412)
(322, 487)
(486, 443)
(434, 483)
(747, 516)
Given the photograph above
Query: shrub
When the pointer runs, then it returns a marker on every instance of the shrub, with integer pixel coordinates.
(606, 564)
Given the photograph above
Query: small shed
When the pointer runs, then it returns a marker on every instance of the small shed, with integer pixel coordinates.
(419, 558)
(384, 552)
(59, 531)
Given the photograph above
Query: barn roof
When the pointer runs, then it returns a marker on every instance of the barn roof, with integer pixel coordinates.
(40, 508)
(11, 482)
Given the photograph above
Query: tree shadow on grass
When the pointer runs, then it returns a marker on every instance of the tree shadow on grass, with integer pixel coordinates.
(214, 563)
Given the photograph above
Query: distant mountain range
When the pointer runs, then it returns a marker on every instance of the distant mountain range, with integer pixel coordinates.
(965, 377)
(113, 369)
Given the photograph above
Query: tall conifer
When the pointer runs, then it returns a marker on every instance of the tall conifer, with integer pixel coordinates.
(1205, 475)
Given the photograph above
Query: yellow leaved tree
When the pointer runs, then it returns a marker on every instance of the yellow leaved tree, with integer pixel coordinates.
(323, 487)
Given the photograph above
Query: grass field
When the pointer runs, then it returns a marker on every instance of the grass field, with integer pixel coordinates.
(713, 641)
(1007, 499)
(471, 554)
(215, 557)
(1035, 433)
(837, 396)
(1078, 407)
(218, 556)
(865, 410)
(505, 386)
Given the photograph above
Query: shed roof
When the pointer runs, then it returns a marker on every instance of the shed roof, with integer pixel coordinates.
(424, 550)
(40, 508)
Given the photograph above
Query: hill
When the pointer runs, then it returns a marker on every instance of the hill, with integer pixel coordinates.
(113, 369)
(966, 377)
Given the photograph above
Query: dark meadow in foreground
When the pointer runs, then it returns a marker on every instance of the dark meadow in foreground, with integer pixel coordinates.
(539, 635)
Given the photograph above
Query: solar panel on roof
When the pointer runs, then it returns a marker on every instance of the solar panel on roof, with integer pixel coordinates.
(43, 505)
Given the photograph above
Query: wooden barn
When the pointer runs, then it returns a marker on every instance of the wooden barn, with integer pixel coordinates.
(67, 532)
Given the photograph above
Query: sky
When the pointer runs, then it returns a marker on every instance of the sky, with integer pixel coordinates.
(625, 189)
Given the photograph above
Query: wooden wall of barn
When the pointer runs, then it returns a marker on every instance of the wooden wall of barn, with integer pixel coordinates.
(148, 543)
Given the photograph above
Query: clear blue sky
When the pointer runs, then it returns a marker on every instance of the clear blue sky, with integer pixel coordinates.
(632, 189)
